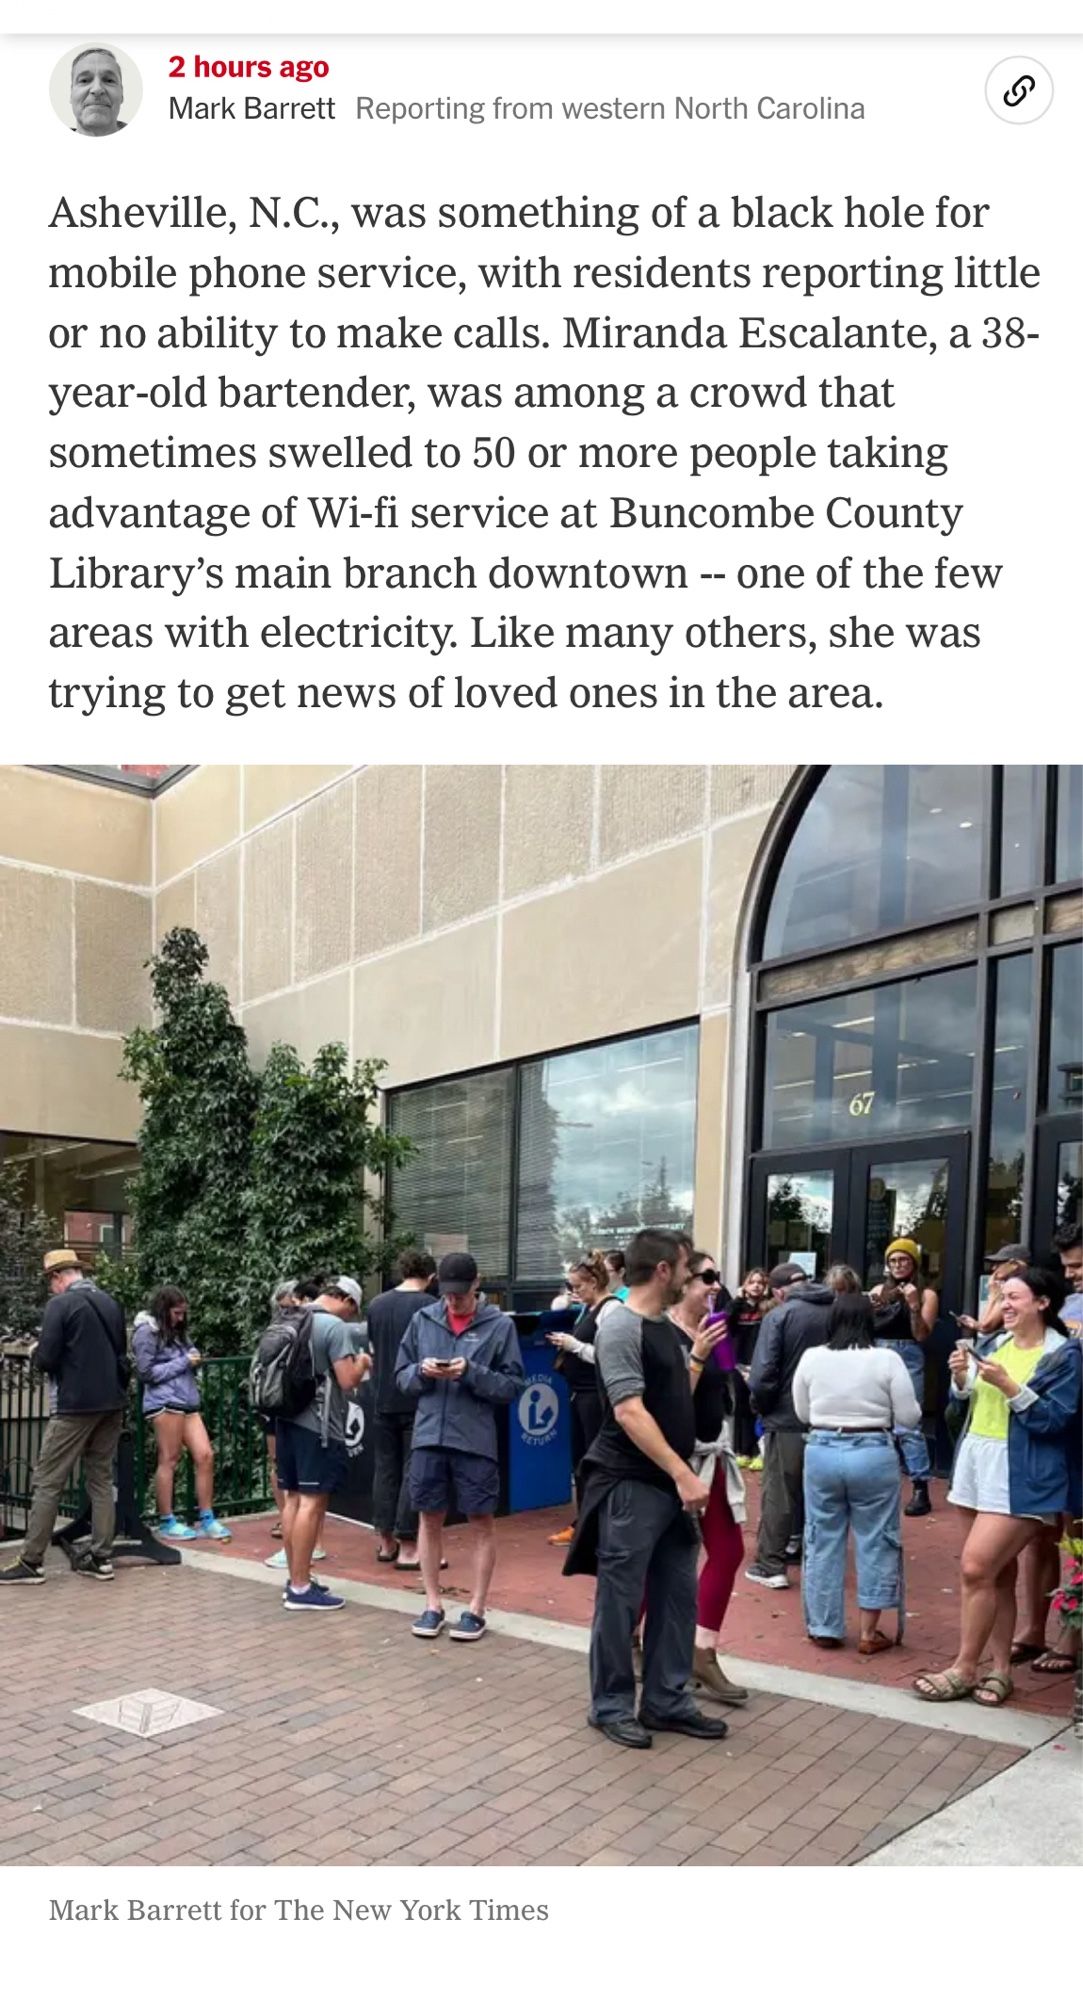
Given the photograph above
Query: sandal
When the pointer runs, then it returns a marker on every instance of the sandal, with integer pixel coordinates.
(1053, 1663)
(1022, 1651)
(412, 1568)
(877, 1642)
(993, 1690)
(383, 1557)
(948, 1686)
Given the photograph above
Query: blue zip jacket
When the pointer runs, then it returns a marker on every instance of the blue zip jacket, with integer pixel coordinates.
(1045, 1450)
(460, 1415)
(165, 1371)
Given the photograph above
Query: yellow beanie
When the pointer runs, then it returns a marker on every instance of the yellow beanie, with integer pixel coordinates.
(904, 1246)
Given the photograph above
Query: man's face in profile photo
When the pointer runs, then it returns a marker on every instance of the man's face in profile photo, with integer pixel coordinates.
(97, 93)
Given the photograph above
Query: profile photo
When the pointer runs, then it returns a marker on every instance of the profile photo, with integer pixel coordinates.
(96, 90)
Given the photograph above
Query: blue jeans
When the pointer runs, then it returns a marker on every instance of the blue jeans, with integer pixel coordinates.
(915, 1450)
(850, 1482)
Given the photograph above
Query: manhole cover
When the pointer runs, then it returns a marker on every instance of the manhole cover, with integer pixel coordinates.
(148, 1712)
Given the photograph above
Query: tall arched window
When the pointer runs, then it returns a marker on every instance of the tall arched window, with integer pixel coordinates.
(917, 978)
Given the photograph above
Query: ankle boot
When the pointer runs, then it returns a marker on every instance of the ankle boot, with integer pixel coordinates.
(919, 1503)
(709, 1679)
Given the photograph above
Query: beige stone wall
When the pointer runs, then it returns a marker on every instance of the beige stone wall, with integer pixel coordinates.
(445, 919)
(441, 918)
(76, 912)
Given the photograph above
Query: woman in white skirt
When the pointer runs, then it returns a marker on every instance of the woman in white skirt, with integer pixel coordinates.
(1016, 1467)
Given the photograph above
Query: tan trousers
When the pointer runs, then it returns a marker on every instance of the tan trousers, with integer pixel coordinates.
(92, 1438)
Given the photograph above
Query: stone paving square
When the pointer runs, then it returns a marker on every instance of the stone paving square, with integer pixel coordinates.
(148, 1712)
(350, 1742)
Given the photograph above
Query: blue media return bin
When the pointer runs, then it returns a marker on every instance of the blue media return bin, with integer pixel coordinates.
(539, 1439)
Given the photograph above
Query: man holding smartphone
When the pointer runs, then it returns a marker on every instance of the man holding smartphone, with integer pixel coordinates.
(458, 1360)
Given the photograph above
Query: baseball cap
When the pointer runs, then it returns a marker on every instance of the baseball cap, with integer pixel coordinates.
(349, 1287)
(786, 1274)
(457, 1273)
(1012, 1253)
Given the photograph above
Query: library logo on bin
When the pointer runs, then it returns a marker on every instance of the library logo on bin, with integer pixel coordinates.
(539, 1408)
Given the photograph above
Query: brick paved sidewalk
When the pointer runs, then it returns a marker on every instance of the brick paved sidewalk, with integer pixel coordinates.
(761, 1625)
(351, 1742)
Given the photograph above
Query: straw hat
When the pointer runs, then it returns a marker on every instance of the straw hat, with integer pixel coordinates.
(60, 1260)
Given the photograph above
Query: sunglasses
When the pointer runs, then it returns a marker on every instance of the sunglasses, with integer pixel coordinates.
(709, 1277)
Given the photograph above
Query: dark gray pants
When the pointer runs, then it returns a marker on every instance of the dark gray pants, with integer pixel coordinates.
(94, 1439)
(647, 1547)
(392, 1513)
(781, 1496)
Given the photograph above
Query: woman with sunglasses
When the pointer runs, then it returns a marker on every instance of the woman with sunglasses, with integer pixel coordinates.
(711, 1361)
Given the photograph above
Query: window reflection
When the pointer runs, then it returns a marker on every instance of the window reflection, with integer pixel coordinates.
(1069, 822)
(455, 1192)
(1064, 1075)
(80, 1186)
(896, 1058)
(879, 846)
(606, 1146)
(1020, 821)
(1012, 978)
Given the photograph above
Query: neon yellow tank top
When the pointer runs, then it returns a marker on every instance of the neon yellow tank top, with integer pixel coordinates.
(991, 1413)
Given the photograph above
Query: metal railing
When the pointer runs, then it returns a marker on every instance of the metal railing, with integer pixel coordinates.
(241, 1473)
(242, 1482)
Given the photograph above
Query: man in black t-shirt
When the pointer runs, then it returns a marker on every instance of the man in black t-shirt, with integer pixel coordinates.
(637, 1527)
(393, 1423)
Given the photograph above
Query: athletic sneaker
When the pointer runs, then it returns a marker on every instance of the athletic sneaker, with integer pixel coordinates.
(429, 1625)
(768, 1577)
(98, 1567)
(468, 1625)
(172, 1530)
(23, 1572)
(280, 1559)
(313, 1585)
(313, 1599)
(212, 1529)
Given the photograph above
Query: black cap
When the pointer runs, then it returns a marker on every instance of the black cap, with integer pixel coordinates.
(786, 1274)
(1012, 1253)
(458, 1273)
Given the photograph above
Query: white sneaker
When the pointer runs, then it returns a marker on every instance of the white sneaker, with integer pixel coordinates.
(278, 1561)
(767, 1578)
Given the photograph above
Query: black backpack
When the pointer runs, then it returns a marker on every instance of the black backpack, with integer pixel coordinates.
(282, 1378)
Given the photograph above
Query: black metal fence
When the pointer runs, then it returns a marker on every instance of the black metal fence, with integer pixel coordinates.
(241, 1473)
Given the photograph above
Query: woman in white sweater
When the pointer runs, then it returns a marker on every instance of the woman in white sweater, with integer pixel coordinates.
(852, 1395)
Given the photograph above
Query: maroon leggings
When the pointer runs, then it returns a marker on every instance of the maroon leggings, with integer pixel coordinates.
(725, 1546)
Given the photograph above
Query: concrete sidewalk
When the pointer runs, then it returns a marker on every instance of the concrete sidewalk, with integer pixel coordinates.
(1040, 1799)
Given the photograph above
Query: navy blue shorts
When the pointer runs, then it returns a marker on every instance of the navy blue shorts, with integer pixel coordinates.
(304, 1464)
(442, 1479)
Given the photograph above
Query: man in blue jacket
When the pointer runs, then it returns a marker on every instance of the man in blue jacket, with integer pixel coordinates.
(458, 1359)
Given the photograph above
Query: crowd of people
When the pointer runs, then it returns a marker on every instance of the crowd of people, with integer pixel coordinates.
(678, 1392)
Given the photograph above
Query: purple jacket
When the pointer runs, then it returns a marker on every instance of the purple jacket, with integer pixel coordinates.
(167, 1375)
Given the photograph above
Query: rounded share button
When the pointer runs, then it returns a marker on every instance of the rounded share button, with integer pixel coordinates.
(1019, 90)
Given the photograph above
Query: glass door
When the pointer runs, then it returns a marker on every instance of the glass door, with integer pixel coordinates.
(914, 1190)
(1058, 1182)
(798, 1211)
